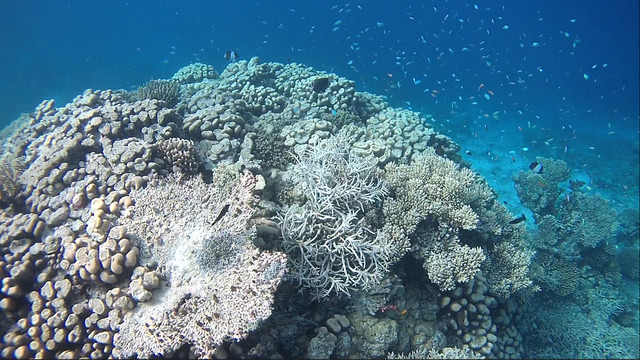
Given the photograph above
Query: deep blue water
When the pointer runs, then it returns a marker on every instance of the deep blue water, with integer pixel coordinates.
(59, 48)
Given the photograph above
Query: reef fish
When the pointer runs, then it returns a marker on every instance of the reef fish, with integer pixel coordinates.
(231, 55)
(320, 84)
(518, 220)
(536, 167)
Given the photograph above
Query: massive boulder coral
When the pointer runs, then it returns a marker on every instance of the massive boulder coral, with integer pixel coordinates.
(218, 285)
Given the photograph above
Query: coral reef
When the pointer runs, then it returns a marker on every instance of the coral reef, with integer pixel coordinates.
(146, 226)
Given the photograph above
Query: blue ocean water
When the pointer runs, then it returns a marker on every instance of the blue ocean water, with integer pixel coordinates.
(507, 80)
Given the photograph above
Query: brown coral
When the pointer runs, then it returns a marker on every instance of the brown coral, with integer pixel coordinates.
(9, 178)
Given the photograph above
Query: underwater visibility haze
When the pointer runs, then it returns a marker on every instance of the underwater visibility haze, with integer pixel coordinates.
(297, 179)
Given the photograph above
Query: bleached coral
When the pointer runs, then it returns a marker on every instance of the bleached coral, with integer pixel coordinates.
(219, 286)
(330, 246)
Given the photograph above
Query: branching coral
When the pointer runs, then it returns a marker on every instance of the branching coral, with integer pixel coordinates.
(548, 234)
(448, 262)
(588, 219)
(435, 186)
(539, 192)
(555, 274)
(329, 245)
(507, 269)
(438, 205)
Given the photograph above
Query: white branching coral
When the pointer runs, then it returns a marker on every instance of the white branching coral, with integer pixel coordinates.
(330, 246)
(219, 285)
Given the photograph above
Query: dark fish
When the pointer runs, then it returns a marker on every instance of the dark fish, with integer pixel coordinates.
(231, 55)
(222, 213)
(518, 220)
(536, 167)
(320, 84)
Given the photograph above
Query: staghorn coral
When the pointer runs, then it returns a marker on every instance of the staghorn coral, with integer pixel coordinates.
(219, 286)
(329, 245)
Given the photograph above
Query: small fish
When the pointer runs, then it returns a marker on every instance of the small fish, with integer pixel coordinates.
(320, 84)
(231, 55)
(536, 167)
(518, 220)
(224, 210)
